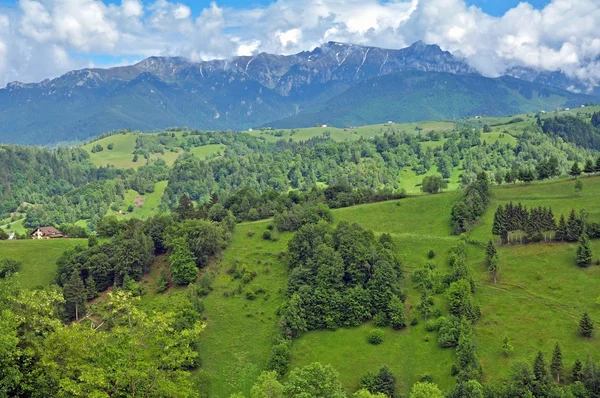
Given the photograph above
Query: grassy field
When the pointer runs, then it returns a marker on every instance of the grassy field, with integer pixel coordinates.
(144, 206)
(236, 344)
(121, 155)
(16, 226)
(38, 258)
(533, 302)
(207, 150)
(354, 133)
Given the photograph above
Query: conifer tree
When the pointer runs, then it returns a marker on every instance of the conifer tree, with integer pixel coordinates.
(75, 293)
(575, 169)
(586, 326)
(556, 366)
(597, 167)
(492, 260)
(499, 224)
(576, 372)
(541, 375)
(185, 208)
(584, 251)
(573, 227)
(588, 167)
(561, 229)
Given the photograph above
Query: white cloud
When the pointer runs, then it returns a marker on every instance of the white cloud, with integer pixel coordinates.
(43, 38)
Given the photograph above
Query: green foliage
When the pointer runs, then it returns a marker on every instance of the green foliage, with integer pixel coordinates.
(313, 381)
(461, 301)
(507, 347)
(433, 184)
(578, 185)
(267, 386)
(376, 336)
(8, 266)
(183, 262)
(586, 326)
(203, 238)
(425, 390)
(556, 366)
(584, 251)
(383, 382)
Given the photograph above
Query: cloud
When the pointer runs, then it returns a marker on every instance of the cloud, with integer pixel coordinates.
(44, 38)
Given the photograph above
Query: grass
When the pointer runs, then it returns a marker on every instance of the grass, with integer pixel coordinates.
(236, 344)
(207, 150)
(16, 226)
(354, 133)
(144, 206)
(38, 258)
(121, 155)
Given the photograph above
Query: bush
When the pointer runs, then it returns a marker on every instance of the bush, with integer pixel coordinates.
(9, 266)
(431, 254)
(250, 295)
(375, 336)
(267, 235)
(280, 357)
(130, 208)
(251, 234)
(414, 322)
(162, 285)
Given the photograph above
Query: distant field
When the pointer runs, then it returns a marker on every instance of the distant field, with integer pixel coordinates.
(207, 150)
(121, 155)
(144, 206)
(16, 226)
(38, 258)
(355, 133)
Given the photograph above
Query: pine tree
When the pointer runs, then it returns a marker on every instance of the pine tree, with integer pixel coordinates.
(75, 293)
(185, 208)
(573, 227)
(597, 168)
(556, 366)
(499, 224)
(492, 260)
(541, 375)
(576, 372)
(588, 167)
(586, 326)
(507, 347)
(575, 169)
(584, 251)
(561, 229)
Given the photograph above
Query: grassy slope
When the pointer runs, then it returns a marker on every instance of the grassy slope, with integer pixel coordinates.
(207, 150)
(236, 344)
(38, 258)
(16, 226)
(144, 205)
(356, 133)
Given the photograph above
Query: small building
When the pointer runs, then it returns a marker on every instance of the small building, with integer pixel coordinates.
(324, 125)
(46, 233)
(390, 122)
(12, 236)
(583, 106)
(567, 109)
(250, 130)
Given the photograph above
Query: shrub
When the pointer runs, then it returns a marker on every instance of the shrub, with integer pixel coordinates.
(414, 322)
(251, 234)
(375, 336)
(163, 282)
(267, 235)
(130, 208)
(250, 295)
(280, 357)
(431, 254)
(9, 266)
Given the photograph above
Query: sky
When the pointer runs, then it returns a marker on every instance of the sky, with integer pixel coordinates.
(45, 38)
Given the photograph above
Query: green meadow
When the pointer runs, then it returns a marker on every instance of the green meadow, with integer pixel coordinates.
(38, 258)
(144, 206)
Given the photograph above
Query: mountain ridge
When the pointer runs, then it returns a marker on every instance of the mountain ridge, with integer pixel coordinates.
(238, 93)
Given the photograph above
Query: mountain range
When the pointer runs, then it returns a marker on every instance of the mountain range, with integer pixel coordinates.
(336, 84)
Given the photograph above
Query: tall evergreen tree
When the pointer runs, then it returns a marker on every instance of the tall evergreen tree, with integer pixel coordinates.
(561, 229)
(492, 260)
(584, 251)
(588, 167)
(573, 227)
(575, 169)
(556, 366)
(576, 372)
(75, 294)
(185, 208)
(541, 376)
(597, 166)
(586, 326)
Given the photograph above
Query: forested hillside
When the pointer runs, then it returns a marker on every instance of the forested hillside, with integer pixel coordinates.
(391, 262)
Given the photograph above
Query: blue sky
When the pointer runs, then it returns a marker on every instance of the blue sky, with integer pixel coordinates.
(492, 7)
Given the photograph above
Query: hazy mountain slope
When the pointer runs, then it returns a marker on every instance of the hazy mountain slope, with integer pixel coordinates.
(415, 96)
